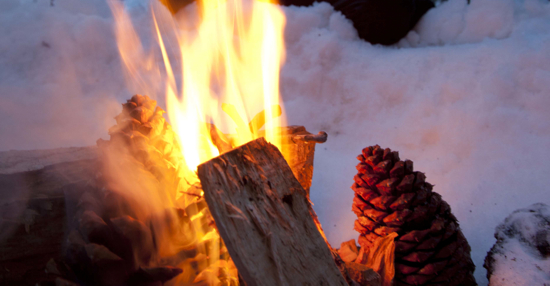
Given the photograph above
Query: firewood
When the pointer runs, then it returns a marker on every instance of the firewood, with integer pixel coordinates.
(136, 235)
(265, 218)
(63, 282)
(362, 274)
(95, 263)
(94, 229)
(299, 149)
(33, 218)
(149, 275)
(348, 251)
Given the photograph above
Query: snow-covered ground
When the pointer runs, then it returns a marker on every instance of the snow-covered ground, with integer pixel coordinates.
(465, 96)
(521, 254)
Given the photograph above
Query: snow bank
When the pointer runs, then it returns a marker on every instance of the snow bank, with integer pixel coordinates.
(59, 72)
(468, 105)
(521, 254)
(465, 96)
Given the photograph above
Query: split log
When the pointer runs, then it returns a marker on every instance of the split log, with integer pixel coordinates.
(265, 218)
(298, 148)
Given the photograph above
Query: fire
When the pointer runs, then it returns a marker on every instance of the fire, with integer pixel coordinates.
(228, 66)
(242, 58)
(220, 72)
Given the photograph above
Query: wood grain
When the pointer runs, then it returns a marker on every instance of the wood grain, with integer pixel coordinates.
(265, 218)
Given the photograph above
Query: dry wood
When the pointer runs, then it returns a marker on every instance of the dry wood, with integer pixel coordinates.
(299, 149)
(265, 218)
(348, 251)
(362, 274)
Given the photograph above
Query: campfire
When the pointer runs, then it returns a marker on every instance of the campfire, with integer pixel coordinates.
(155, 218)
(160, 219)
(214, 188)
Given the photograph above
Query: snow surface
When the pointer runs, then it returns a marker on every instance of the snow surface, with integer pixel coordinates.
(521, 255)
(465, 96)
(15, 161)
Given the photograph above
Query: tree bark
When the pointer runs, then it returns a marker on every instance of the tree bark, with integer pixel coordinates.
(265, 218)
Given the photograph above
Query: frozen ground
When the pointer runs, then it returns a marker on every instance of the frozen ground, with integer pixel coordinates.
(465, 96)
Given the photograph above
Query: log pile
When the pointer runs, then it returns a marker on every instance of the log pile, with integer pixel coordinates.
(148, 223)
(84, 232)
(299, 149)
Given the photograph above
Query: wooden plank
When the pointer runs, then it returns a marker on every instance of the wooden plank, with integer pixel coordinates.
(265, 218)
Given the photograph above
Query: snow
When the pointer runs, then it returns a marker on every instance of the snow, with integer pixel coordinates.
(464, 95)
(16, 161)
(521, 255)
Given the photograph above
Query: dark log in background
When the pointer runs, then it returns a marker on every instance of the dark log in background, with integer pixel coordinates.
(377, 21)
(33, 217)
(265, 218)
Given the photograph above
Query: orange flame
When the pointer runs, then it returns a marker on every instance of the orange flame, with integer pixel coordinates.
(228, 61)
(231, 62)
(246, 57)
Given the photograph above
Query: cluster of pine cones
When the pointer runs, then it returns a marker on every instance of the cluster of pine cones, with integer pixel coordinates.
(390, 196)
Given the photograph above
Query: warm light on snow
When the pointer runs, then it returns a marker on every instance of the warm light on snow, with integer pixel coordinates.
(463, 96)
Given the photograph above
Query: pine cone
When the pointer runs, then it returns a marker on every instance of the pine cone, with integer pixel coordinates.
(430, 248)
(142, 131)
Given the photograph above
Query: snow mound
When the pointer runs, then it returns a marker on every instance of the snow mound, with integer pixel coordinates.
(521, 255)
(457, 22)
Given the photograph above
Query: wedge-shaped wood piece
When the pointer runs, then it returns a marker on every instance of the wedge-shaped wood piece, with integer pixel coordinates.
(265, 218)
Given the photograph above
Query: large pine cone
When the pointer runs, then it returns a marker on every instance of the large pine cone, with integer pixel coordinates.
(430, 248)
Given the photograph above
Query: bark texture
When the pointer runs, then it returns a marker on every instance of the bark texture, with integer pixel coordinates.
(265, 218)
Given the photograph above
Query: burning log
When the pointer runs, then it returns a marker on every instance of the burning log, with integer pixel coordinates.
(298, 149)
(265, 218)
(75, 198)
(298, 145)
